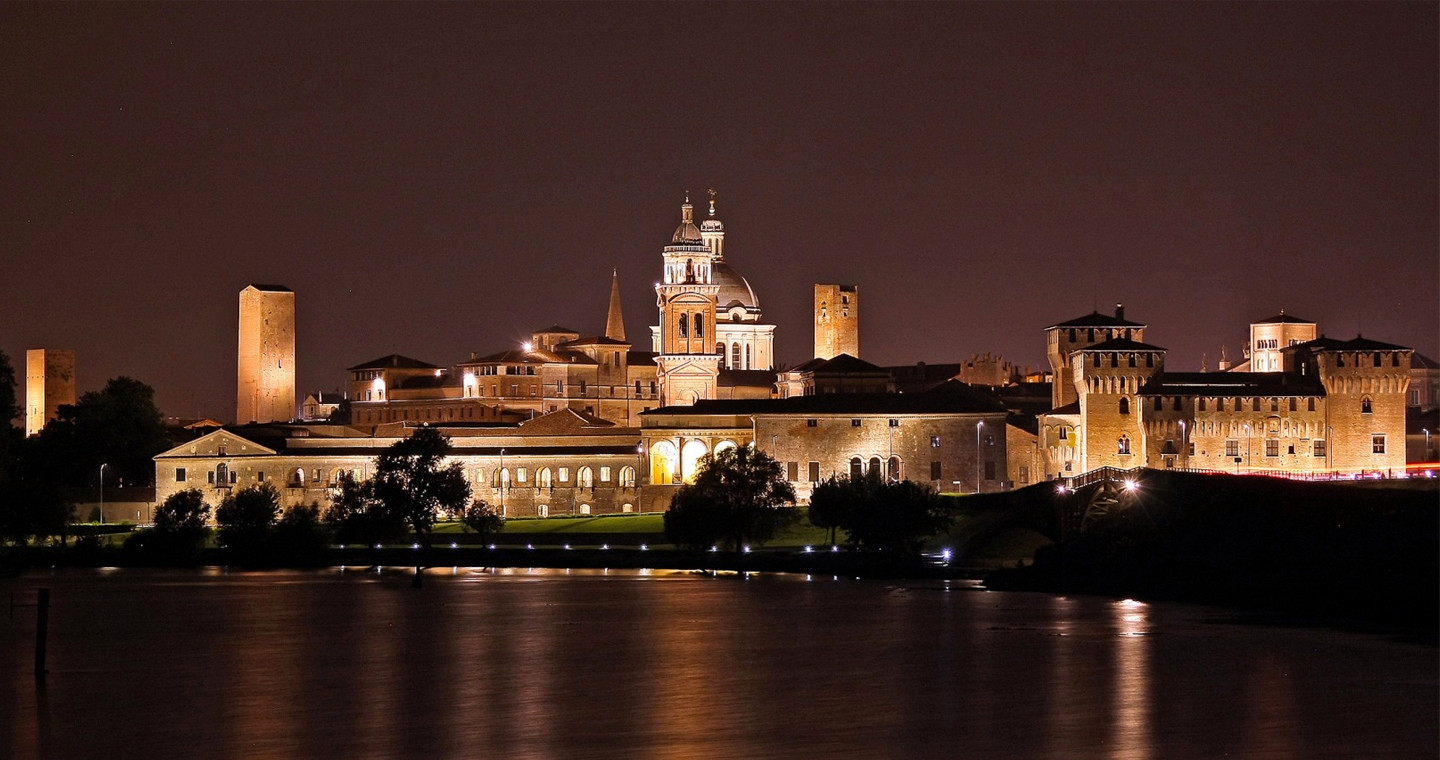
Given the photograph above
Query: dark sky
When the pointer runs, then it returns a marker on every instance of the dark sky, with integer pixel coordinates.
(435, 179)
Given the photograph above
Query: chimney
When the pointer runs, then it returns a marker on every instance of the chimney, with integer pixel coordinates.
(1119, 311)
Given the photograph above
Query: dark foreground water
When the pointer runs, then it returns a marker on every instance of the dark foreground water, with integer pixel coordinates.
(550, 664)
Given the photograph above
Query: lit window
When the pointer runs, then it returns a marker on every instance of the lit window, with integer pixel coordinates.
(1377, 443)
(1272, 447)
(1320, 447)
(935, 441)
(1123, 444)
(1232, 447)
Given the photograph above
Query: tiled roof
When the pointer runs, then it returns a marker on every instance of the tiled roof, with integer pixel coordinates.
(394, 361)
(1096, 319)
(1421, 361)
(845, 363)
(557, 329)
(1122, 344)
(1323, 343)
(1232, 384)
(952, 397)
(1284, 319)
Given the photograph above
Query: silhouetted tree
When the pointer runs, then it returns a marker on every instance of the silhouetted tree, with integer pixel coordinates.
(413, 483)
(246, 518)
(9, 411)
(483, 519)
(879, 516)
(738, 496)
(357, 516)
(179, 533)
(300, 537)
(119, 426)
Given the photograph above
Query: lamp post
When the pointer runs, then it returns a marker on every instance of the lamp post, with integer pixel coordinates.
(1184, 452)
(102, 493)
(978, 426)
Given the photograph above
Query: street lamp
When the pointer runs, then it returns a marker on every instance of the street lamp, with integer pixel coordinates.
(978, 426)
(102, 493)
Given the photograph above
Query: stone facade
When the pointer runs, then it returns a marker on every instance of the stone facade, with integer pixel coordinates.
(558, 464)
(49, 384)
(265, 389)
(1326, 407)
(1064, 339)
(837, 321)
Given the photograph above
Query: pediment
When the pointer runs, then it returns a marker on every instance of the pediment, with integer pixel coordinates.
(212, 444)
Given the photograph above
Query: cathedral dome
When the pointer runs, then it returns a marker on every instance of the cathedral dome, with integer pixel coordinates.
(734, 289)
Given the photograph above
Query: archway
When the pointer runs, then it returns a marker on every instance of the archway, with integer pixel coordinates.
(664, 461)
(690, 458)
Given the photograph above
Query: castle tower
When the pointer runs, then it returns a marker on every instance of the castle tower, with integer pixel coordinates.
(1062, 340)
(1269, 338)
(615, 319)
(265, 390)
(688, 366)
(49, 383)
(837, 321)
(1107, 378)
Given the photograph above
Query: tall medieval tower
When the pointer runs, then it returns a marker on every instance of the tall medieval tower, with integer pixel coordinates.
(49, 383)
(265, 390)
(688, 365)
(837, 321)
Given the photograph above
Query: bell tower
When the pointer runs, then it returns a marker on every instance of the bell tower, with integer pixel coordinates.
(688, 366)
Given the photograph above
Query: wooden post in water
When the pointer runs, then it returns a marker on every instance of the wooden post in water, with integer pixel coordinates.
(42, 624)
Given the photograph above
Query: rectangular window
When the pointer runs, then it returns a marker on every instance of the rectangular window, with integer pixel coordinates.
(1310, 405)
(564, 474)
(1064, 433)
(934, 441)
(935, 471)
(260, 476)
(811, 423)
(854, 423)
(792, 471)
(179, 474)
(1232, 447)
(989, 470)
(1192, 448)
(316, 476)
(1159, 404)
(814, 472)
(211, 479)
(1319, 447)
(1200, 404)
(233, 477)
(604, 474)
(1377, 443)
(1272, 447)
(1024, 475)
(894, 423)
(520, 474)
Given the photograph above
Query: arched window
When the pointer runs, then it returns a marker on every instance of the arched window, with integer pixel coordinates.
(735, 355)
(544, 478)
(584, 509)
(664, 462)
(1124, 406)
(747, 358)
(874, 466)
(893, 473)
(1365, 407)
(857, 468)
(585, 478)
(297, 478)
(700, 325)
(501, 478)
(723, 445)
(222, 474)
(627, 477)
(684, 325)
(1123, 444)
(690, 455)
(542, 511)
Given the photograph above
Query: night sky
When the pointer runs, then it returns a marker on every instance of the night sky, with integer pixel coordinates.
(436, 179)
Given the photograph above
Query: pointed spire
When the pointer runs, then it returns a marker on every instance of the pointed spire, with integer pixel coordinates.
(615, 320)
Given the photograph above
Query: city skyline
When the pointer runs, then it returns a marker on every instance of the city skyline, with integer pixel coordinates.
(426, 194)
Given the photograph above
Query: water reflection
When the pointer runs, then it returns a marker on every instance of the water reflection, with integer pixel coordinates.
(1130, 727)
(619, 664)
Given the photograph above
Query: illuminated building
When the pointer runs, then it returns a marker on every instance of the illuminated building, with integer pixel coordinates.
(265, 388)
(49, 384)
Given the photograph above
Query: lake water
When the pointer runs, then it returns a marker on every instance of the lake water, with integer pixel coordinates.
(635, 664)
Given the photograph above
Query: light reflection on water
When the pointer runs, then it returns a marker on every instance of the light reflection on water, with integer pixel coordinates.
(533, 663)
